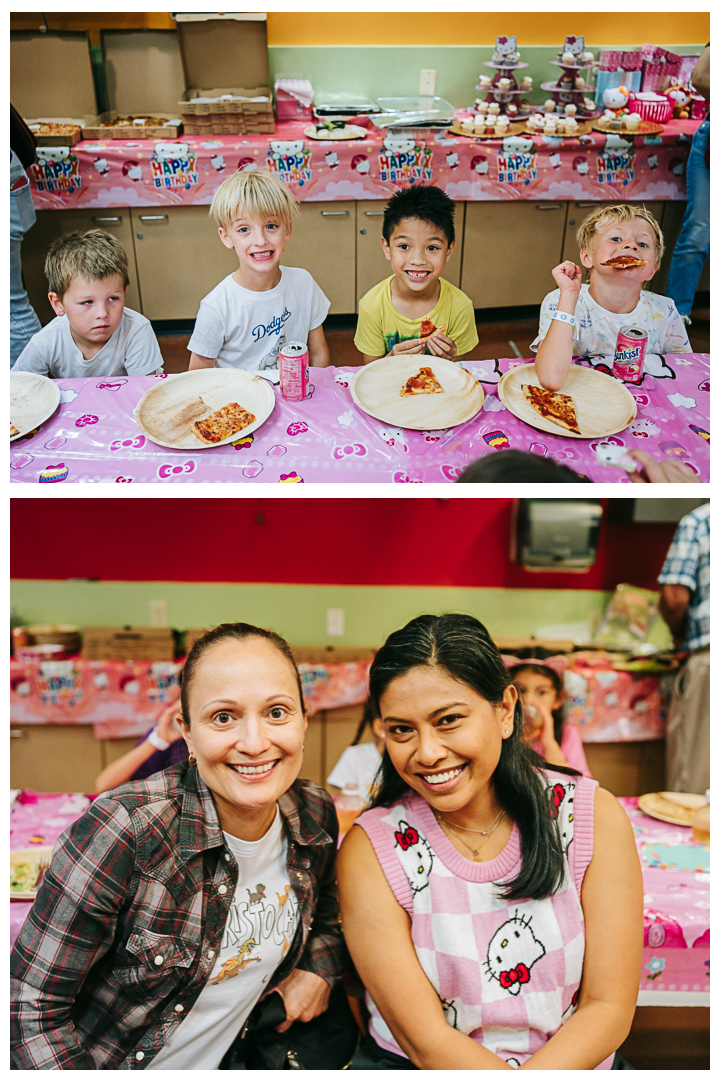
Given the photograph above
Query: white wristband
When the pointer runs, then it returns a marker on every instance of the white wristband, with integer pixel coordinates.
(156, 741)
(562, 316)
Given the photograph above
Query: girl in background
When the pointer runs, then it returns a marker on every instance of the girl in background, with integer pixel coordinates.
(542, 692)
(360, 762)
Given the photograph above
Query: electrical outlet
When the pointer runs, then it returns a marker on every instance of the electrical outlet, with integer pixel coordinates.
(158, 612)
(427, 82)
(335, 622)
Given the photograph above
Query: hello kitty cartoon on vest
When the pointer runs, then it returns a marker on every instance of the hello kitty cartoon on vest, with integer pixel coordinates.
(415, 855)
(512, 951)
(562, 805)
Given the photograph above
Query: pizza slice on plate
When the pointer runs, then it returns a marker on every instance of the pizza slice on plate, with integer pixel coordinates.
(223, 423)
(557, 408)
(428, 329)
(624, 262)
(13, 430)
(422, 383)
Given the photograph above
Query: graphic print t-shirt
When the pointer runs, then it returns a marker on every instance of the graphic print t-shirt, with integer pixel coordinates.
(259, 930)
(240, 328)
(381, 326)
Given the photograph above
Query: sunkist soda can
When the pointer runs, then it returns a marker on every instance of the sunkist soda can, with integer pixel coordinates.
(293, 358)
(630, 354)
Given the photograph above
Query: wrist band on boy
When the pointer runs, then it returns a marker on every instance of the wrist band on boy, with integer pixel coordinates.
(562, 316)
(157, 741)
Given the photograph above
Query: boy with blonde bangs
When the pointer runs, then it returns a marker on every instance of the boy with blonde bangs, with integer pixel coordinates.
(621, 247)
(93, 333)
(244, 321)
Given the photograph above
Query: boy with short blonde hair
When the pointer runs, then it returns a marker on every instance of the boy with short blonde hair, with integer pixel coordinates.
(621, 247)
(244, 321)
(94, 333)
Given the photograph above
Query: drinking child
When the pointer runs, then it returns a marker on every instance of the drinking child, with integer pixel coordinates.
(542, 692)
(584, 320)
(245, 320)
(418, 239)
(93, 333)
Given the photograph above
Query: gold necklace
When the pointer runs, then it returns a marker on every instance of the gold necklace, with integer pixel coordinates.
(487, 833)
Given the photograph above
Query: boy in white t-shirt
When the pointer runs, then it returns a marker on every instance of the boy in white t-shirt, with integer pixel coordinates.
(94, 333)
(246, 319)
(622, 247)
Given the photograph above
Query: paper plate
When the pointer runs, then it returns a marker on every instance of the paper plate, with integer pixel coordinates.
(603, 404)
(33, 400)
(167, 412)
(376, 390)
(675, 807)
(32, 856)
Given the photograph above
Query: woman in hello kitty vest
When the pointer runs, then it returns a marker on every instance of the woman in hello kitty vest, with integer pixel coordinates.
(492, 904)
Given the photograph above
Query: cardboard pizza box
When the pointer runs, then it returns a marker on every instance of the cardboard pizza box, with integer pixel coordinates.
(51, 80)
(225, 59)
(128, 643)
(143, 77)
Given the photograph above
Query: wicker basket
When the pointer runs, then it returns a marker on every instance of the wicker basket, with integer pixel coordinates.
(657, 112)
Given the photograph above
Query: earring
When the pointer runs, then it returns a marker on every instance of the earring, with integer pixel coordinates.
(191, 756)
(303, 746)
(506, 731)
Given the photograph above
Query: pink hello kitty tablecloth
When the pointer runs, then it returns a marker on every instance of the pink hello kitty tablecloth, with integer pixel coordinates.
(676, 956)
(93, 438)
(187, 171)
(123, 698)
(613, 706)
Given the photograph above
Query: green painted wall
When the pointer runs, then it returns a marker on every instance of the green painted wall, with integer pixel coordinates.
(298, 611)
(392, 71)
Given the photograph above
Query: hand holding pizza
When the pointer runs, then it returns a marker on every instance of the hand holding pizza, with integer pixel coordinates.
(568, 277)
(407, 348)
(443, 346)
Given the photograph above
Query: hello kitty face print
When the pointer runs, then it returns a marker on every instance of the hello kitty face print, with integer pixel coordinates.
(562, 800)
(415, 855)
(512, 952)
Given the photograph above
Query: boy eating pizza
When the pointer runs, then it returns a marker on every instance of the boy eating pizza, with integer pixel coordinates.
(415, 310)
(621, 247)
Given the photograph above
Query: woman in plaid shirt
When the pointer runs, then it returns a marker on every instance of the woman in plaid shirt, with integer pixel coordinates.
(174, 903)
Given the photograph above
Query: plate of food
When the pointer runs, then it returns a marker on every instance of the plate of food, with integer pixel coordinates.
(675, 807)
(645, 127)
(33, 400)
(25, 867)
(513, 128)
(333, 130)
(209, 407)
(424, 393)
(50, 133)
(591, 404)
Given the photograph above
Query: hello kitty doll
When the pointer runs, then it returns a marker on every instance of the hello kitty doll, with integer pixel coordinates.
(681, 99)
(615, 100)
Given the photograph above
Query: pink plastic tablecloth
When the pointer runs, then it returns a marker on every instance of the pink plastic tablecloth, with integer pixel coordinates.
(613, 706)
(93, 438)
(676, 956)
(123, 698)
(187, 171)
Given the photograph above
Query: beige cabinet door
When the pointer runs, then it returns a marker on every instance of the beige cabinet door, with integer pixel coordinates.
(180, 258)
(372, 266)
(54, 757)
(323, 242)
(53, 223)
(671, 225)
(509, 250)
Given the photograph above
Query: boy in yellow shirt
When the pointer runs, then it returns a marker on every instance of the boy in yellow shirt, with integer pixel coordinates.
(418, 239)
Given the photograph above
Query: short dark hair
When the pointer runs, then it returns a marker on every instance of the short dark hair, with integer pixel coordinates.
(230, 632)
(429, 204)
(508, 465)
(461, 646)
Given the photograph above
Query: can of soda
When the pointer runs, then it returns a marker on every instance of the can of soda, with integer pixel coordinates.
(630, 354)
(293, 358)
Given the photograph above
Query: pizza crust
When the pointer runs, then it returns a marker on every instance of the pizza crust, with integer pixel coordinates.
(222, 423)
(557, 408)
(13, 430)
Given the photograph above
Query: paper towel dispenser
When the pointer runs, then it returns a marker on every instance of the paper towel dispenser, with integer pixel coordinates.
(556, 534)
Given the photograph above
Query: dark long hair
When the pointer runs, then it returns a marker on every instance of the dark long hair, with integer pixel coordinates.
(238, 631)
(549, 673)
(463, 648)
(369, 714)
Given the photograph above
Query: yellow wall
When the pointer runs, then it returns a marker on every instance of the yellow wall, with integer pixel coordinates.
(421, 28)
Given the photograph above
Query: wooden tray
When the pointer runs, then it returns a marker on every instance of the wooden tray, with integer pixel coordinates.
(376, 390)
(514, 128)
(675, 807)
(645, 127)
(355, 132)
(166, 413)
(28, 855)
(33, 400)
(603, 404)
(584, 128)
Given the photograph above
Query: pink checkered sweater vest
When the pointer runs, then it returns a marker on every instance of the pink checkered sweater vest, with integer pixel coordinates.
(508, 973)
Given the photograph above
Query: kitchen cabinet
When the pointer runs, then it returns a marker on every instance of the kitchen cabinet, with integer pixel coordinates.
(323, 242)
(509, 250)
(671, 224)
(372, 266)
(53, 223)
(54, 757)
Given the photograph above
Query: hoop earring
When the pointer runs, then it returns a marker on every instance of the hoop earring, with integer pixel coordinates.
(191, 756)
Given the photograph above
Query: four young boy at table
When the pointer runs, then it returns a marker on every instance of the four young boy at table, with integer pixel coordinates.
(243, 321)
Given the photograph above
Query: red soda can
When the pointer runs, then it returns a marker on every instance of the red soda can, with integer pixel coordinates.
(630, 354)
(294, 359)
